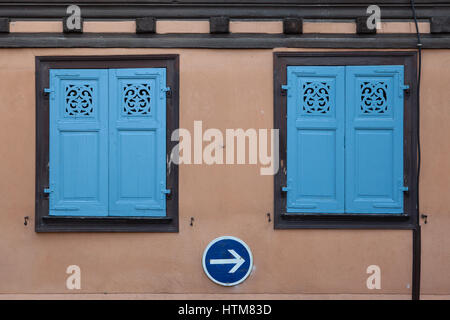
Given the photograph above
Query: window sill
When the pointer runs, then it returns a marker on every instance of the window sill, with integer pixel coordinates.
(106, 224)
(344, 221)
(343, 216)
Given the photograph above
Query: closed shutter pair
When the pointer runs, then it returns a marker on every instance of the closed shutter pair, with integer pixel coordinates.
(107, 142)
(345, 139)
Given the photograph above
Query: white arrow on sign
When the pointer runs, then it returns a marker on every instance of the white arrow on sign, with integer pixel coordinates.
(238, 260)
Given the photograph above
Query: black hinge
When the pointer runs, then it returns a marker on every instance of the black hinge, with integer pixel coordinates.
(47, 192)
(168, 194)
(406, 89)
(168, 92)
(47, 92)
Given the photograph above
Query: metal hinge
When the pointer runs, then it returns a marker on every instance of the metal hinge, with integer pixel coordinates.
(168, 91)
(47, 192)
(287, 187)
(405, 88)
(284, 89)
(165, 192)
(48, 91)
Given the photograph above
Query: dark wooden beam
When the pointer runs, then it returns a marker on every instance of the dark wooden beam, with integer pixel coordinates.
(4, 25)
(292, 26)
(440, 25)
(146, 25)
(218, 41)
(219, 25)
(236, 10)
(361, 26)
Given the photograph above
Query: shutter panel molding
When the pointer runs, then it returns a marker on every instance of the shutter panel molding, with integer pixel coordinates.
(374, 139)
(315, 139)
(137, 149)
(78, 159)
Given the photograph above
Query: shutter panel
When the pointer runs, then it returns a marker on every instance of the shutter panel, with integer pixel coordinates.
(374, 139)
(315, 139)
(78, 142)
(137, 151)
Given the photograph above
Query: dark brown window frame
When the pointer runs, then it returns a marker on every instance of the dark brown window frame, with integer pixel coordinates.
(46, 223)
(409, 219)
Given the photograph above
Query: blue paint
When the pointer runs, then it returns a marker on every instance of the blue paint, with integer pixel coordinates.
(345, 139)
(227, 261)
(78, 142)
(315, 139)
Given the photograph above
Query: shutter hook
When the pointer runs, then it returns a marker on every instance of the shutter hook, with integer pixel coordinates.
(424, 217)
(268, 217)
(192, 222)
(25, 222)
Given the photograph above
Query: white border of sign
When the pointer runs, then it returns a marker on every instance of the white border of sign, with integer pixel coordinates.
(223, 238)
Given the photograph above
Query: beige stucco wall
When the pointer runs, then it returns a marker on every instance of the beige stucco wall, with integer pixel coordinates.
(224, 89)
(435, 179)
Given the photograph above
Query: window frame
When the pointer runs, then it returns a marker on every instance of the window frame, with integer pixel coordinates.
(409, 219)
(46, 223)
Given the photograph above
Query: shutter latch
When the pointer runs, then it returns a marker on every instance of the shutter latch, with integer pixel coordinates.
(284, 89)
(48, 91)
(286, 188)
(404, 87)
(166, 192)
(47, 192)
(404, 189)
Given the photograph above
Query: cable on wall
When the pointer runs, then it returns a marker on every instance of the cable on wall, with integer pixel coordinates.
(419, 72)
(417, 234)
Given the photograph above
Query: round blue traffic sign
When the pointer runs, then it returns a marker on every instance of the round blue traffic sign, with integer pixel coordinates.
(227, 261)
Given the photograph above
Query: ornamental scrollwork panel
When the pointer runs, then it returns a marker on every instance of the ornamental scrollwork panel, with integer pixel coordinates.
(136, 99)
(374, 97)
(79, 100)
(316, 97)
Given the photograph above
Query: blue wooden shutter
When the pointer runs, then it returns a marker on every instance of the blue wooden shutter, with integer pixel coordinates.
(315, 139)
(137, 150)
(374, 139)
(78, 142)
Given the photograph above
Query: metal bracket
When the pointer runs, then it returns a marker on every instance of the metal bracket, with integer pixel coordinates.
(167, 192)
(47, 192)
(284, 89)
(405, 88)
(48, 91)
